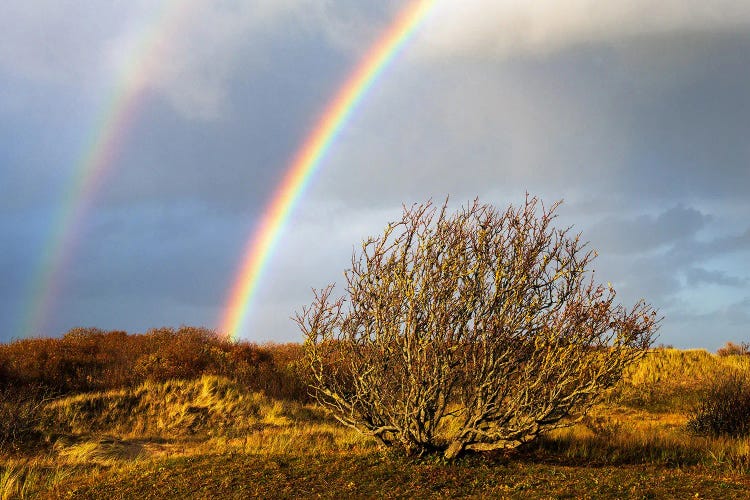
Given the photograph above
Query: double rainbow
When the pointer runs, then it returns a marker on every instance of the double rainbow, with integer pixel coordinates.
(122, 108)
(308, 160)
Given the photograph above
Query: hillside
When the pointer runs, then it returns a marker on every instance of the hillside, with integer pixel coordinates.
(214, 435)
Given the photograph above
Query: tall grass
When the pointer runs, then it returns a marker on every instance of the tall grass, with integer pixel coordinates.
(207, 406)
(672, 379)
(26, 478)
(616, 438)
(117, 430)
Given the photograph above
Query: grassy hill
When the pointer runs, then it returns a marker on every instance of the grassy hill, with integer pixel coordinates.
(214, 434)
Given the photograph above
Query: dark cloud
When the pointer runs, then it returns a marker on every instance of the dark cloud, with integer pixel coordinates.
(646, 232)
(233, 162)
(638, 122)
(711, 328)
(163, 254)
(653, 253)
(685, 134)
(656, 119)
(700, 276)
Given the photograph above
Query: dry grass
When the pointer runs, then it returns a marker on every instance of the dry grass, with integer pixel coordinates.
(125, 429)
(624, 436)
(669, 380)
(130, 440)
(26, 478)
(206, 407)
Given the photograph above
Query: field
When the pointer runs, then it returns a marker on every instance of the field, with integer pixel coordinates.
(237, 422)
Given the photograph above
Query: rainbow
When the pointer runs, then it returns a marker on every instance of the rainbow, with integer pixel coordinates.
(103, 147)
(309, 157)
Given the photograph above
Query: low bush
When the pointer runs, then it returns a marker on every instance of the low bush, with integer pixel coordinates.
(732, 349)
(20, 410)
(725, 407)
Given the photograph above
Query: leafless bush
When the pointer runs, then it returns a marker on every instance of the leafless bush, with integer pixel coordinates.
(473, 331)
(20, 409)
(724, 409)
(732, 349)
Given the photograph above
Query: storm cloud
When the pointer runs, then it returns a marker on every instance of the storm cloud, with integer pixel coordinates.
(634, 113)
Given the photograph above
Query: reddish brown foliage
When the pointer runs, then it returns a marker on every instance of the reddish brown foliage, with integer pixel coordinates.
(89, 359)
(732, 349)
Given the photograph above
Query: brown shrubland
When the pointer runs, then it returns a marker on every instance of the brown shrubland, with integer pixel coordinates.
(90, 359)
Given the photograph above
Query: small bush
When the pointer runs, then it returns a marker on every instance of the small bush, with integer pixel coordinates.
(725, 408)
(19, 416)
(732, 349)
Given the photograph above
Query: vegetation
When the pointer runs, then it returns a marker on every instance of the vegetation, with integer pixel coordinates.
(474, 331)
(672, 380)
(34, 372)
(89, 359)
(725, 407)
(732, 349)
(215, 435)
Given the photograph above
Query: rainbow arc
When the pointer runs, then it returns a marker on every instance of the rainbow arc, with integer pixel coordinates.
(99, 157)
(309, 158)
(116, 119)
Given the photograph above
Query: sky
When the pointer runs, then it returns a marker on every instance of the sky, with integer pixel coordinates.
(635, 113)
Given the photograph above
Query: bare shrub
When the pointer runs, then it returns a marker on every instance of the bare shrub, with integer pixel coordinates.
(473, 331)
(724, 408)
(20, 409)
(732, 349)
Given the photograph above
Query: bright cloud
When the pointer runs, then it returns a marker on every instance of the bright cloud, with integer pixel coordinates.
(499, 28)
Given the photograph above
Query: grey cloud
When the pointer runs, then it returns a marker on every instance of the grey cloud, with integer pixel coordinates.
(645, 232)
(659, 271)
(151, 251)
(64, 42)
(235, 163)
(709, 249)
(711, 328)
(626, 122)
(671, 258)
(187, 51)
(700, 276)
(738, 314)
(686, 137)
(147, 265)
(488, 29)
(195, 69)
(638, 121)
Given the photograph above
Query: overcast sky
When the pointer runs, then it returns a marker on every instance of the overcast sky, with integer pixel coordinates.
(635, 113)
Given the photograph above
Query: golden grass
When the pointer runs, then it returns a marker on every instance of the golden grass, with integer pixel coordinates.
(617, 435)
(24, 478)
(120, 430)
(668, 380)
(643, 421)
(208, 406)
(684, 368)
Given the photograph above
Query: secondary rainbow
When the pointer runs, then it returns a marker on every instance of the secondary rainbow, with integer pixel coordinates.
(141, 60)
(308, 159)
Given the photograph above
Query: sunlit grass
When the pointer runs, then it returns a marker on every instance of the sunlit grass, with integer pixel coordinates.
(119, 433)
(614, 436)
